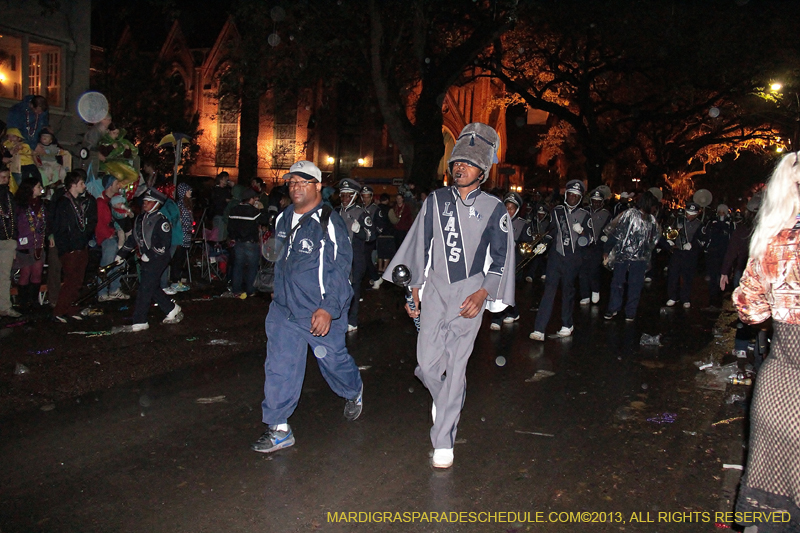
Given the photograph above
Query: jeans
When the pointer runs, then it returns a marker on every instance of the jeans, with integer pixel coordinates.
(109, 249)
(634, 270)
(245, 266)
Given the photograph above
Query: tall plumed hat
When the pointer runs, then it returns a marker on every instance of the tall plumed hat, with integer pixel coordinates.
(477, 145)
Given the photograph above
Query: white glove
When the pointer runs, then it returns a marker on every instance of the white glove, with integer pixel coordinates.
(687, 246)
(604, 238)
(118, 260)
(577, 228)
(145, 258)
(355, 227)
(671, 243)
(540, 248)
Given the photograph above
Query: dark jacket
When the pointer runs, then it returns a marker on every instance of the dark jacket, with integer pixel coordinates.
(152, 234)
(71, 232)
(313, 269)
(738, 250)
(243, 223)
(220, 196)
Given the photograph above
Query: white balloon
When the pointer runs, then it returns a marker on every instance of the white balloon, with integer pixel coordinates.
(713, 112)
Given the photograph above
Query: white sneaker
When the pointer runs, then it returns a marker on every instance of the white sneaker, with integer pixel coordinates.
(670, 303)
(529, 279)
(118, 295)
(687, 305)
(442, 458)
(104, 298)
(377, 284)
(564, 331)
(140, 327)
(740, 354)
(11, 313)
(494, 326)
(584, 301)
(510, 319)
(537, 336)
(351, 328)
(595, 297)
(169, 290)
(544, 277)
(648, 279)
(174, 316)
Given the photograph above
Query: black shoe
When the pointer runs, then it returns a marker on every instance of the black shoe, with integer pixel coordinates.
(352, 408)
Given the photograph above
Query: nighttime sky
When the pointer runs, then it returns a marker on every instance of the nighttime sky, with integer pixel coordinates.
(200, 20)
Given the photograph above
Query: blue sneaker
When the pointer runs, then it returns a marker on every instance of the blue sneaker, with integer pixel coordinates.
(352, 408)
(273, 440)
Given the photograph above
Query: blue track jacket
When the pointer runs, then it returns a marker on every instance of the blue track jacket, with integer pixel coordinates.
(313, 270)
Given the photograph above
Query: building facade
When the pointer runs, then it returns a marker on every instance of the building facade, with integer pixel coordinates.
(46, 52)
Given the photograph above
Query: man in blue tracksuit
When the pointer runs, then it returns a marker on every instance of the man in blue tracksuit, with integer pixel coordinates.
(309, 308)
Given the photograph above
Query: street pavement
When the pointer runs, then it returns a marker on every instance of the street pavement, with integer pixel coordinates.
(594, 428)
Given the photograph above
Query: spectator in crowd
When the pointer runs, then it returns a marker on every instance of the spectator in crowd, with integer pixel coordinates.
(73, 226)
(45, 157)
(30, 116)
(8, 242)
(385, 242)
(21, 154)
(401, 218)
(178, 266)
(106, 237)
(220, 196)
(243, 230)
(31, 227)
(170, 210)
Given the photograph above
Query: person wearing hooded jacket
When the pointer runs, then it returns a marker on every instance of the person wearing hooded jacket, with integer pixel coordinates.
(632, 236)
(177, 269)
(460, 250)
(243, 230)
(570, 232)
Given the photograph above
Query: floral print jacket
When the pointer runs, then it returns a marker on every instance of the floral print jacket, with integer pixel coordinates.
(770, 286)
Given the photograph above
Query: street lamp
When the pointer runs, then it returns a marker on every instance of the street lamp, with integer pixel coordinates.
(775, 87)
(361, 161)
(330, 160)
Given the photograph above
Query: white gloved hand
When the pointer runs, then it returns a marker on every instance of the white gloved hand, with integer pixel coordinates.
(577, 228)
(687, 246)
(540, 248)
(355, 227)
(604, 238)
(118, 260)
(671, 243)
(145, 258)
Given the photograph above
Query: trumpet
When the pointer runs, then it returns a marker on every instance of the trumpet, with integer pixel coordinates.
(527, 250)
(670, 233)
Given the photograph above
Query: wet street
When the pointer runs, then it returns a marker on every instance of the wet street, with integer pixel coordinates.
(595, 428)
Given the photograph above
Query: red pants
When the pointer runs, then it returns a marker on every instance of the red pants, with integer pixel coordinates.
(73, 268)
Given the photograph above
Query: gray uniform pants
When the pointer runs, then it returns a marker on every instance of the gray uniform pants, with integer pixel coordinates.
(444, 345)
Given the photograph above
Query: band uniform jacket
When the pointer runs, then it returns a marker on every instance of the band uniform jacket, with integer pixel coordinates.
(562, 231)
(452, 240)
(152, 234)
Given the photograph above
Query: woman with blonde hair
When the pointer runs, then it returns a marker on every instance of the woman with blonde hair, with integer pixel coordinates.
(770, 287)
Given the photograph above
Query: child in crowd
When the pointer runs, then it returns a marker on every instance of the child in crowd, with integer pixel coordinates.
(45, 157)
(22, 165)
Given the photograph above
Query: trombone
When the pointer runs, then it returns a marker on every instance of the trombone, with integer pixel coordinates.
(527, 250)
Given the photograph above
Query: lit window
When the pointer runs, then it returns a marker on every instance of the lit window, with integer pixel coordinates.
(10, 76)
(44, 72)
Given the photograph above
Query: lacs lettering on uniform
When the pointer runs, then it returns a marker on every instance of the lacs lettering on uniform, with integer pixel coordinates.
(451, 236)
